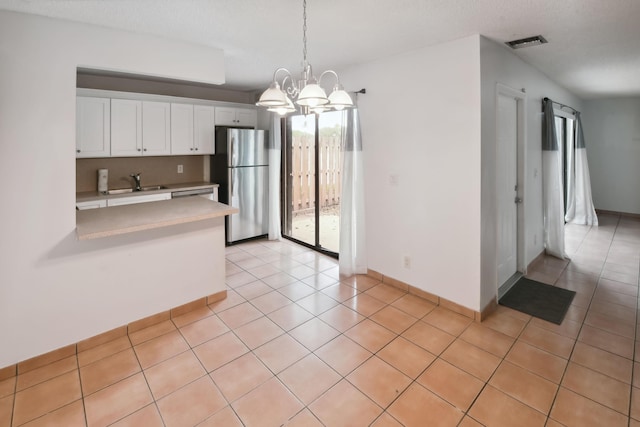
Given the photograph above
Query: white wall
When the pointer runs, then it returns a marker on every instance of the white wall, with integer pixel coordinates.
(55, 290)
(420, 122)
(612, 137)
(499, 65)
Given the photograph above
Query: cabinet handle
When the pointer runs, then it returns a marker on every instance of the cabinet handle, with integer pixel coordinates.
(139, 149)
(196, 149)
(144, 149)
(77, 151)
(190, 149)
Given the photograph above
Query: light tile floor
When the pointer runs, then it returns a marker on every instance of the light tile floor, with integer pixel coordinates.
(294, 345)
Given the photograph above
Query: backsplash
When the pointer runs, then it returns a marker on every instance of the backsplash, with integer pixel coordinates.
(153, 170)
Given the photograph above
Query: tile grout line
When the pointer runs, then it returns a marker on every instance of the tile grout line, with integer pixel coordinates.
(13, 404)
(84, 406)
(583, 323)
(486, 383)
(145, 380)
(635, 336)
(581, 326)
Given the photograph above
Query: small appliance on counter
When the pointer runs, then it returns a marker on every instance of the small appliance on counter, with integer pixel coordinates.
(241, 168)
(103, 180)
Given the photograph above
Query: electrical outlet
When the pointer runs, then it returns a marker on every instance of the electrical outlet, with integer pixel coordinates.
(406, 261)
(180, 169)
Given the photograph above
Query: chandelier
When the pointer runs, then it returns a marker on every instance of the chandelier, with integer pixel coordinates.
(306, 91)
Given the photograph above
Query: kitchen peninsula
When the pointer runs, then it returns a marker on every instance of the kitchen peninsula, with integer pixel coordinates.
(98, 223)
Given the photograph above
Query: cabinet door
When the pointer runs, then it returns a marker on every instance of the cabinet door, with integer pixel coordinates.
(226, 116)
(126, 128)
(96, 204)
(204, 128)
(130, 200)
(182, 129)
(156, 128)
(92, 127)
(246, 117)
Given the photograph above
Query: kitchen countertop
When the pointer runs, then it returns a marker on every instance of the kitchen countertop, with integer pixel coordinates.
(90, 196)
(112, 221)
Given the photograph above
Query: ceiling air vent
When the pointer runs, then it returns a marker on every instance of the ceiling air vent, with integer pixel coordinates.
(527, 42)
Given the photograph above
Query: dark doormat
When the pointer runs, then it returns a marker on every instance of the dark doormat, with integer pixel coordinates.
(539, 300)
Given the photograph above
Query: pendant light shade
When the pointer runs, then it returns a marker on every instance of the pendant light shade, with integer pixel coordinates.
(282, 110)
(307, 92)
(339, 99)
(312, 95)
(273, 97)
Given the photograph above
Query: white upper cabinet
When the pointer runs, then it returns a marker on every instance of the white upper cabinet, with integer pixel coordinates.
(156, 128)
(126, 128)
(93, 137)
(204, 126)
(120, 124)
(140, 128)
(182, 129)
(244, 117)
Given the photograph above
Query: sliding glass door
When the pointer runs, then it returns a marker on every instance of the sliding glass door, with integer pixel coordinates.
(312, 163)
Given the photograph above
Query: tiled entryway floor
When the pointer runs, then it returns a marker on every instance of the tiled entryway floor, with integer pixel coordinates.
(294, 345)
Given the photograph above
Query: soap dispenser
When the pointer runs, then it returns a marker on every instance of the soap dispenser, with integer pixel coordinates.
(103, 180)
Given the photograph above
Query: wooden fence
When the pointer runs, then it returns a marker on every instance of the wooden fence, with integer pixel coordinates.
(303, 166)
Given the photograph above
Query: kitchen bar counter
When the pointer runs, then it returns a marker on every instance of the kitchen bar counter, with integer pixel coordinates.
(112, 221)
(89, 196)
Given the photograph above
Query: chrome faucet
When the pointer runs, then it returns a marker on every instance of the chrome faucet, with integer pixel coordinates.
(136, 178)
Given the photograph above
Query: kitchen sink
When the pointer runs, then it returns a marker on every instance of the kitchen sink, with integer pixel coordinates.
(120, 191)
(129, 190)
(153, 187)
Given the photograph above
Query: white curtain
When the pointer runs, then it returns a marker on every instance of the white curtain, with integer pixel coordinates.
(580, 209)
(552, 190)
(352, 231)
(274, 151)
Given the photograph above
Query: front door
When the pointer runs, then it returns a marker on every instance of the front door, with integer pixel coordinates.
(507, 187)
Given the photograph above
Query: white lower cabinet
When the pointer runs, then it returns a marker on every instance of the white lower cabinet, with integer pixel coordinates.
(212, 196)
(130, 200)
(94, 204)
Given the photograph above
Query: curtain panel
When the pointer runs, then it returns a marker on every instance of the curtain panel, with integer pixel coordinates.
(552, 188)
(275, 156)
(580, 209)
(352, 228)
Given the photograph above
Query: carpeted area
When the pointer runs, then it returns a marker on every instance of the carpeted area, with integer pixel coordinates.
(539, 300)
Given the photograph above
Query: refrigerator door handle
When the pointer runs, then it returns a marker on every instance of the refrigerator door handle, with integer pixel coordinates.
(232, 160)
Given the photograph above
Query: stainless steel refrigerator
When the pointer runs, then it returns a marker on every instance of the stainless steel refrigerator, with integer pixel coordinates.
(241, 167)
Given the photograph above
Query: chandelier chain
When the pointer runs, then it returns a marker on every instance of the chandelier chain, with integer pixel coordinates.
(306, 91)
(304, 32)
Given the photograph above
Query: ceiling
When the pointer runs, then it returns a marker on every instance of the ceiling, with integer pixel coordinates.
(593, 49)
